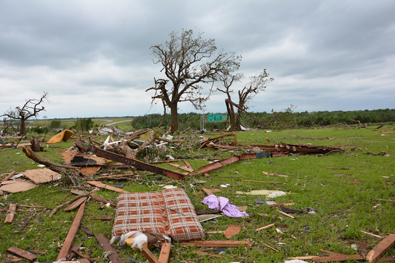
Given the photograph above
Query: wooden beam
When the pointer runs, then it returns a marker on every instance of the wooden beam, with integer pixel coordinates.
(100, 199)
(22, 253)
(76, 204)
(164, 253)
(107, 248)
(381, 248)
(10, 214)
(148, 255)
(281, 212)
(64, 251)
(219, 243)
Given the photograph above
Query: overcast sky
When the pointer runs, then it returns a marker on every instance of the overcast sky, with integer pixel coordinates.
(94, 58)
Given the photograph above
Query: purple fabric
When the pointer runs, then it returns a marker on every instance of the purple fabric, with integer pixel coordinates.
(222, 203)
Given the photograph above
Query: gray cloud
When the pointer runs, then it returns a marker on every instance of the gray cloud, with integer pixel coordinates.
(93, 57)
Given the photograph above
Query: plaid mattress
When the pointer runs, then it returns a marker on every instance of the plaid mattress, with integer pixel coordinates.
(169, 212)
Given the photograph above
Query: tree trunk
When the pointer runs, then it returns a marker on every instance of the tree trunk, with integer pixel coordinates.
(23, 126)
(173, 118)
(238, 121)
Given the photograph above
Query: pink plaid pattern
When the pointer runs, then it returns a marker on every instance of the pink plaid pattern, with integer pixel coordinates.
(170, 212)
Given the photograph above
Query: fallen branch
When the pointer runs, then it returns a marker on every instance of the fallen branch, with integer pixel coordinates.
(68, 170)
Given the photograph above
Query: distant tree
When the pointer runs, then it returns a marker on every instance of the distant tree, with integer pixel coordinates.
(188, 62)
(84, 124)
(30, 109)
(55, 124)
(256, 85)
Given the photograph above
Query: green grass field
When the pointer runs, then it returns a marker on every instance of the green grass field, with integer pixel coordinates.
(350, 192)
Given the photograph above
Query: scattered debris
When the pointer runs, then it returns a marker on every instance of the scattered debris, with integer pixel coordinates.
(231, 231)
(219, 243)
(62, 136)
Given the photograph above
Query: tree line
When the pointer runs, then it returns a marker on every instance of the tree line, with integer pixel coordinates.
(285, 119)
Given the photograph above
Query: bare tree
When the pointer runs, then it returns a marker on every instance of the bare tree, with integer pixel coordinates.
(31, 108)
(256, 85)
(187, 63)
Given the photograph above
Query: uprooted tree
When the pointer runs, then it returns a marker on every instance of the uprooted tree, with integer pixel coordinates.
(31, 108)
(188, 62)
(257, 84)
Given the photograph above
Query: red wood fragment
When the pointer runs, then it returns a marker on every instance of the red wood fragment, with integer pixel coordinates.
(231, 231)
(107, 248)
(165, 253)
(149, 256)
(64, 251)
(381, 248)
(22, 253)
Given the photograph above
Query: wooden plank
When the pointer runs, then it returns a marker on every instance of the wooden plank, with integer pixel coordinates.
(10, 214)
(231, 231)
(106, 186)
(339, 258)
(103, 217)
(381, 248)
(182, 167)
(219, 243)
(164, 253)
(22, 253)
(64, 204)
(331, 253)
(64, 251)
(87, 231)
(263, 228)
(76, 204)
(100, 199)
(107, 248)
(373, 235)
(281, 204)
(148, 255)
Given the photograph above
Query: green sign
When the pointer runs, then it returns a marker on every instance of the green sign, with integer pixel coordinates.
(217, 117)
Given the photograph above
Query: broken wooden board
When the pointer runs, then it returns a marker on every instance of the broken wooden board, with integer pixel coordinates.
(16, 186)
(231, 231)
(64, 251)
(76, 204)
(148, 255)
(219, 243)
(382, 247)
(42, 175)
(106, 186)
(89, 170)
(8, 177)
(214, 190)
(164, 253)
(100, 199)
(22, 253)
(113, 256)
(10, 214)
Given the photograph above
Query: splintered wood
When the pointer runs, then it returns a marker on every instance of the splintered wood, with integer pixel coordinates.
(10, 214)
